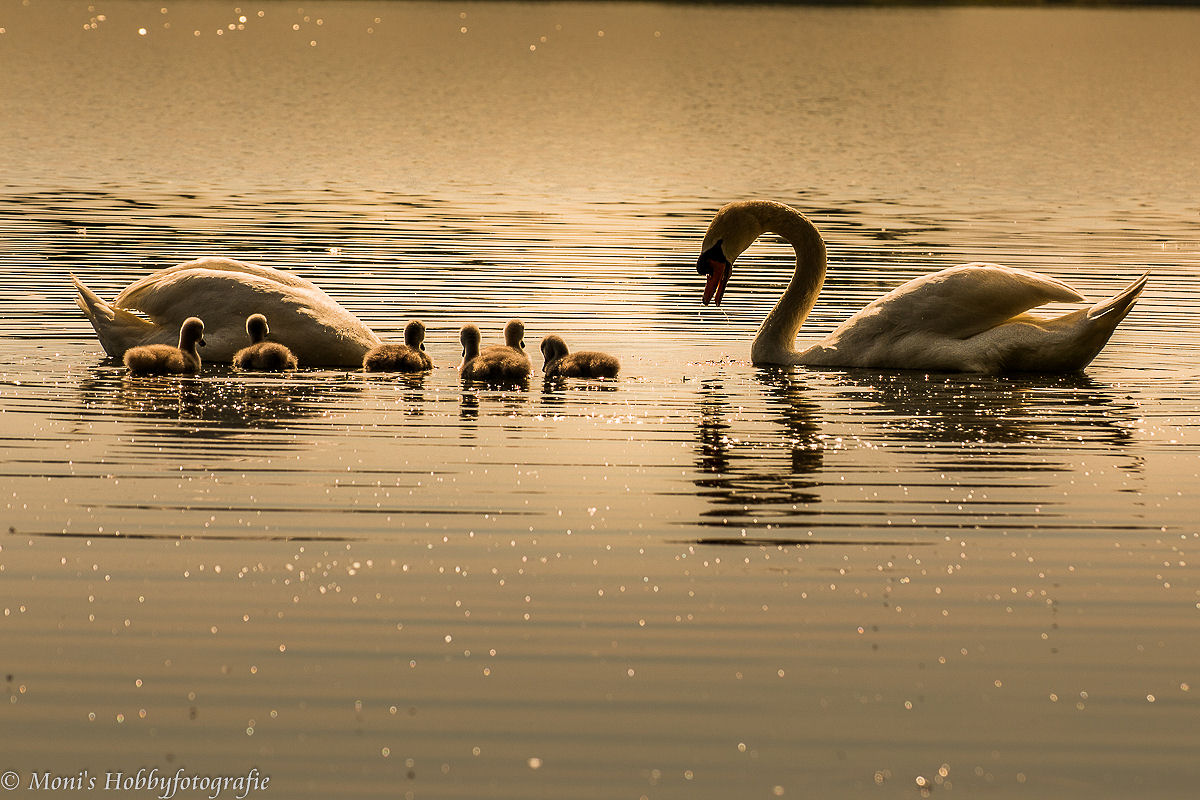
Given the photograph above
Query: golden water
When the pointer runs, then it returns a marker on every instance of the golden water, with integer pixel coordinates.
(705, 580)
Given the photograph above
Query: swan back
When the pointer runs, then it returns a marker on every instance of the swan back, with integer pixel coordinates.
(965, 300)
(265, 357)
(497, 365)
(145, 294)
(225, 292)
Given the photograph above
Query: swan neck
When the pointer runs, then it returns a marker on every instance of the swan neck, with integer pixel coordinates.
(775, 342)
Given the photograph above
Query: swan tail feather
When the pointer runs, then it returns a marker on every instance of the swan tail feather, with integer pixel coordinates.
(1101, 319)
(1114, 309)
(117, 329)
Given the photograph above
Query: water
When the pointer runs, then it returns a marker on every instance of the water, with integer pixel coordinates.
(704, 580)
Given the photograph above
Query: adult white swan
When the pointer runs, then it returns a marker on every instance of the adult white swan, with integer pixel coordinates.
(224, 293)
(969, 318)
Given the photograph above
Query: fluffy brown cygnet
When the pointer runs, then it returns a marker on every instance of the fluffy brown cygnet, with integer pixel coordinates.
(163, 359)
(261, 355)
(407, 357)
(506, 363)
(561, 363)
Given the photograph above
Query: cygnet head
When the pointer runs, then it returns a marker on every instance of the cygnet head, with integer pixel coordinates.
(414, 334)
(256, 328)
(191, 333)
(514, 334)
(470, 338)
(553, 347)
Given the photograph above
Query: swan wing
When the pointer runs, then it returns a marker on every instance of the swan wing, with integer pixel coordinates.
(1066, 343)
(225, 292)
(972, 319)
(118, 329)
(158, 294)
(962, 301)
(958, 319)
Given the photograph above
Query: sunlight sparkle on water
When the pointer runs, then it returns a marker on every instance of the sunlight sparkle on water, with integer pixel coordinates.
(660, 574)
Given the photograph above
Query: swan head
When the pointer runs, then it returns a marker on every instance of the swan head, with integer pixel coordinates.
(717, 266)
(553, 348)
(470, 338)
(191, 333)
(731, 232)
(414, 334)
(256, 328)
(514, 334)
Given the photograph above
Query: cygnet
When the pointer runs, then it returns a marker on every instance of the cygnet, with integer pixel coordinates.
(561, 363)
(407, 357)
(163, 359)
(262, 355)
(506, 363)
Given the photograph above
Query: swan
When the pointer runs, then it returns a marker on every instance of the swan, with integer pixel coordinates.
(561, 363)
(407, 357)
(224, 292)
(498, 363)
(969, 318)
(165, 359)
(262, 355)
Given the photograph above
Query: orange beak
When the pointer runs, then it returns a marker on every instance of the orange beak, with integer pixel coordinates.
(716, 266)
(714, 287)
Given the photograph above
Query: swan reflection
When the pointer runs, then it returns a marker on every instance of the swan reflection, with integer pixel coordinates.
(787, 464)
(981, 410)
(218, 405)
(759, 479)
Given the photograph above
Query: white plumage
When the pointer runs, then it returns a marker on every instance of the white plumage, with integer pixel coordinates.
(224, 293)
(969, 318)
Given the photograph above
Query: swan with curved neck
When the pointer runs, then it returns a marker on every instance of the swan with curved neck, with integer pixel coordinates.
(969, 318)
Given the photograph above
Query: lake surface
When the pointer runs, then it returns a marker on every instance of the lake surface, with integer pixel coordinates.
(703, 580)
